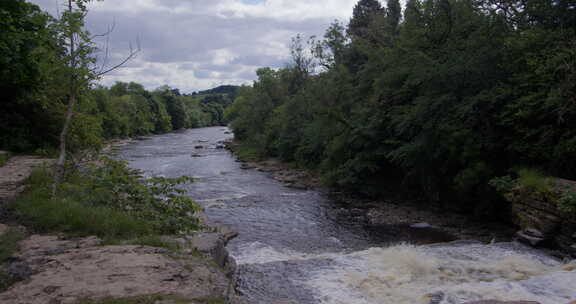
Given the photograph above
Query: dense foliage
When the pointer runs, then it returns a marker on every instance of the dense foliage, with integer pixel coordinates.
(35, 77)
(109, 200)
(437, 99)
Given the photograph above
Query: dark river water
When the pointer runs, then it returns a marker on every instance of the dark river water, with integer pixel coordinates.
(294, 247)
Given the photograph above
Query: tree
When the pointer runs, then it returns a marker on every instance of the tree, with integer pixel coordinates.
(27, 48)
(394, 15)
(365, 12)
(80, 69)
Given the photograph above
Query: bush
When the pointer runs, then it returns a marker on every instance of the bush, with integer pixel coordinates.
(534, 180)
(109, 200)
(4, 157)
(532, 184)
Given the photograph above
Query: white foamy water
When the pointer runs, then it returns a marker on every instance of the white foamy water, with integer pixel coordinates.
(259, 253)
(406, 274)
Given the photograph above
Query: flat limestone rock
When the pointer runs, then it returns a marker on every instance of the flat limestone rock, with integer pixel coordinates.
(15, 172)
(66, 271)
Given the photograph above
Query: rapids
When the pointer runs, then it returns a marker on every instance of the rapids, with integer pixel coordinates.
(294, 247)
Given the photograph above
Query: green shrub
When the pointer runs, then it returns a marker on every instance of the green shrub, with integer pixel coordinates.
(151, 299)
(8, 246)
(4, 157)
(109, 200)
(534, 180)
(567, 200)
(502, 184)
(66, 214)
(248, 152)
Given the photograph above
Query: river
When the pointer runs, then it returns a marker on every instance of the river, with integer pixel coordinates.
(294, 247)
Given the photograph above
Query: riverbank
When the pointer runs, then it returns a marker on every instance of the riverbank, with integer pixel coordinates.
(64, 268)
(387, 214)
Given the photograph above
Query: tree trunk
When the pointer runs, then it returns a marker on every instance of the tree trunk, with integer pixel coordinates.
(61, 163)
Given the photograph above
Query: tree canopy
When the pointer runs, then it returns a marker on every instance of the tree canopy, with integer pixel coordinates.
(437, 99)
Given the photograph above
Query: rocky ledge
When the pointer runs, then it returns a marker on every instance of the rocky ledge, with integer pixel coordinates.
(542, 223)
(57, 269)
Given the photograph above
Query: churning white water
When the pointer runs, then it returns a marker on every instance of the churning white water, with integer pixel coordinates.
(294, 246)
(450, 273)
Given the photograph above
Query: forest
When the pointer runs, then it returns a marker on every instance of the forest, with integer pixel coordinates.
(440, 98)
(35, 77)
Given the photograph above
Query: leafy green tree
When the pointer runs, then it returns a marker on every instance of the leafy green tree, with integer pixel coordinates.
(393, 16)
(28, 46)
(364, 14)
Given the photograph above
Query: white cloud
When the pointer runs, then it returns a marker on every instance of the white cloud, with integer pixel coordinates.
(295, 10)
(196, 44)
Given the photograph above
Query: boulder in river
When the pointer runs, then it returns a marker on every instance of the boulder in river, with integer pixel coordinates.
(531, 236)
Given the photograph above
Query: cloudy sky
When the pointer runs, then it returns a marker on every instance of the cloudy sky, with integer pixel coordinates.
(199, 44)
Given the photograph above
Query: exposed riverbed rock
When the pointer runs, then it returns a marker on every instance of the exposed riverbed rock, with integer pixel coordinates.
(14, 173)
(213, 245)
(66, 271)
(537, 213)
(429, 224)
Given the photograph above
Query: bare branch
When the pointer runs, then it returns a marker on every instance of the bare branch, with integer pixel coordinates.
(106, 54)
(108, 32)
(131, 55)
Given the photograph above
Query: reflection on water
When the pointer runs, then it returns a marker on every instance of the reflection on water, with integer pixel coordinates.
(293, 246)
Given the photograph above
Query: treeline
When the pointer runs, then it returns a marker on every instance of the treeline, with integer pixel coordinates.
(35, 86)
(437, 98)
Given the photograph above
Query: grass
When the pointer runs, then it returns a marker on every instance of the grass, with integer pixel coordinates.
(152, 299)
(4, 157)
(247, 152)
(151, 240)
(534, 180)
(67, 213)
(111, 203)
(64, 214)
(8, 247)
(9, 244)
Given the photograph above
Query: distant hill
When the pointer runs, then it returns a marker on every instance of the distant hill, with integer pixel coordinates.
(223, 89)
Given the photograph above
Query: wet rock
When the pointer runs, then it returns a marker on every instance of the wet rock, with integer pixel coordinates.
(198, 147)
(246, 166)
(534, 232)
(501, 302)
(434, 298)
(421, 225)
(532, 211)
(196, 155)
(300, 186)
(18, 271)
(529, 237)
(213, 245)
